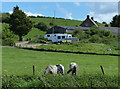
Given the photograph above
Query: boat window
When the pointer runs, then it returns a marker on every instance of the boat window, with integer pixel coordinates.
(69, 36)
(48, 35)
(59, 37)
(63, 37)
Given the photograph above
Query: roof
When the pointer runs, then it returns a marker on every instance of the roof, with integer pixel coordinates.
(88, 21)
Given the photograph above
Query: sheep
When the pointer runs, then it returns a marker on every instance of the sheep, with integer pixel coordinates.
(54, 69)
(73, 68)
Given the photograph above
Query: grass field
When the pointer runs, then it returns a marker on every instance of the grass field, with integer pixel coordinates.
(60, 22)
(17, 69)
(20, 62)
(82, 47)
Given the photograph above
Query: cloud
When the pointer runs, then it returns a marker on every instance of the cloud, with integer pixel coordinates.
(103, 11)
(33, 14)
(102, 17)
(104, 7)
(77, 3)
(30, 14)
(68, 15)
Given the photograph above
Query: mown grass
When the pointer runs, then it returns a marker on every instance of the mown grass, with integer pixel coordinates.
(20, 62)
(82, 47)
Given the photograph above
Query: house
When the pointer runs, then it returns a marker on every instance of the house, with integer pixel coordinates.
(85, 25)
(88, 22)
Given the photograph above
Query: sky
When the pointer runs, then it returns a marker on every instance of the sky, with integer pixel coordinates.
(101, 11)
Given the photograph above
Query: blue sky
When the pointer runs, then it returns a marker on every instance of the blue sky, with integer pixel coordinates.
(101, 11)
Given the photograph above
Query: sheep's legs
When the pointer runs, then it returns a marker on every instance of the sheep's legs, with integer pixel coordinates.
(69, 71)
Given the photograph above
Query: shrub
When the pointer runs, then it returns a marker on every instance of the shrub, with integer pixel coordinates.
(8, 37)
(95, 39)
(79, 33)
(42, 26)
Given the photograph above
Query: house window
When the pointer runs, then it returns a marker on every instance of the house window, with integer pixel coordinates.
(48, 35)
(63, 37)
(59, 37)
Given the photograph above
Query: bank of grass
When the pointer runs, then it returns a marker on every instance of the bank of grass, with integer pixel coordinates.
(34, 33)
(82, 47)
(61, 81)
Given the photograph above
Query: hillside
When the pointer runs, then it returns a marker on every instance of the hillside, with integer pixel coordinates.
(60, 22)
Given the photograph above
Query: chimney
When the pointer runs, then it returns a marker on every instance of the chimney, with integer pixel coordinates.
(88, 16)
(92, 18)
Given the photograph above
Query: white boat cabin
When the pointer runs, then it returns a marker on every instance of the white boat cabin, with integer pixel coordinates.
(57, 37)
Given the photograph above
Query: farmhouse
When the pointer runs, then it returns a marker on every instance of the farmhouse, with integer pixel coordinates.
(85, 25)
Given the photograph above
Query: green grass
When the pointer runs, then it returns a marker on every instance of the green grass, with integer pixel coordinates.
(57, 81)
(17, 69)
(82, 47)
(60, 22)
(34, 33)
(20, 62)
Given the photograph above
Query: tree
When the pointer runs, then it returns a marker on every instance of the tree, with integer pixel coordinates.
(8, 37)
(20, 24)
(115, 21)
(42, 26)
(5, 17)
(104, 23)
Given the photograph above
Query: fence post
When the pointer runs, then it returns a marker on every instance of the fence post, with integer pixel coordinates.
(33, 70)
(102, 69)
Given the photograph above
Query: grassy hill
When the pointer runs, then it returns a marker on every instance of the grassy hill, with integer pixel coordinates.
(60, 22)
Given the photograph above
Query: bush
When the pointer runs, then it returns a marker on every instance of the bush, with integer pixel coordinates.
(79, 33)
(8, 37)
(95, 39)
(42, 26)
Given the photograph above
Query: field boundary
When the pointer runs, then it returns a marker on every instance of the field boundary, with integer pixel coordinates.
(61, 51)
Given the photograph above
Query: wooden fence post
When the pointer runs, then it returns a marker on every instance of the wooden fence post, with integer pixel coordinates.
(102, 69)
(33, 70)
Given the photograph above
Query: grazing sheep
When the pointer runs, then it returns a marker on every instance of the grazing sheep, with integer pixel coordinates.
(54, 69)
(73, 68)
(60, 69)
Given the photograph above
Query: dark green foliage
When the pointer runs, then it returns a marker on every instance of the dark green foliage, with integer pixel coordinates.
(95, 35)
(8, 37)
(79, 33)
(95, 39)
(5, 17)
(20, 23)
(106, 25)
(115, 21)
(42, 26)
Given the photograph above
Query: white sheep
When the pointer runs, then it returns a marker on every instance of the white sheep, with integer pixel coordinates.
(73, 68)
(54, 69)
